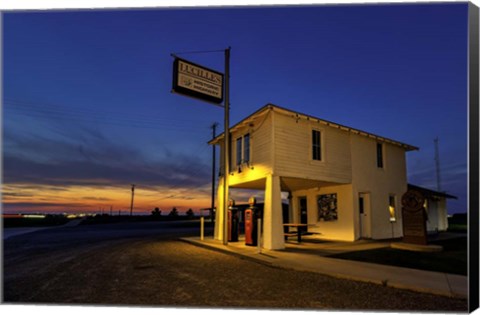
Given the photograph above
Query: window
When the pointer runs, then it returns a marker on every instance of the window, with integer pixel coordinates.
(379, 155)
(246, 148)
(327, 207)
(316, 145)
(239, 151)
(361, 205)
(243, 149)
(391, 208)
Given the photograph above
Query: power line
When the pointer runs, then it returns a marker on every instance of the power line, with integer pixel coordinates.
(437, 164)
(46, 109)
(77, 109)
(113, 121)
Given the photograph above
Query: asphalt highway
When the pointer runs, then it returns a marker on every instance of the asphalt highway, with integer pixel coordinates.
(144, 264)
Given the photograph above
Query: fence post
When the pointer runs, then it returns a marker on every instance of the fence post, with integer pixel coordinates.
(201, 228)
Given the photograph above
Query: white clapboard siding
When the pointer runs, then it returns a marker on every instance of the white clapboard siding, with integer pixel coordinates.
(380, 182)
(260, 164)
(293, 150)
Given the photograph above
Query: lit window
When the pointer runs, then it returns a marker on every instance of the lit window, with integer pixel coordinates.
(391, 208)
(316, 145)
(379, 155)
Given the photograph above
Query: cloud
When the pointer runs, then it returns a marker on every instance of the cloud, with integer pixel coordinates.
(91, 159)
(97, 198)
(42, 205)
(99, 173)
(16, 194)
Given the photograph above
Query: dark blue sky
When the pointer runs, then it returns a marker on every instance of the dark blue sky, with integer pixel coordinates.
(86, 94)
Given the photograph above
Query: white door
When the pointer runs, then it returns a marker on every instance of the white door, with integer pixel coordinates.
(364, 215)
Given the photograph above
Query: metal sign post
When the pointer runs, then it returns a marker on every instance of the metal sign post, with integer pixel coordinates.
(196, 81)
(226, 145)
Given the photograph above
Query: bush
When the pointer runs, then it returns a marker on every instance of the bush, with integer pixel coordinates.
(173, 213)
(190, 213)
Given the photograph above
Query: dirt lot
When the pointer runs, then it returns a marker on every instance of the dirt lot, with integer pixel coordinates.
(157, 270)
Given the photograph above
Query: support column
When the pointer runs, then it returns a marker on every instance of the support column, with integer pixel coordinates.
(219, 215)
(273, 237)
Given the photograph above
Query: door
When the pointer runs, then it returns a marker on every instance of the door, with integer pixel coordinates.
(364, 215)
(303, 212)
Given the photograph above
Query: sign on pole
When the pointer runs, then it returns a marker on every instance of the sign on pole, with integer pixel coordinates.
(197, 81)
(208, 85)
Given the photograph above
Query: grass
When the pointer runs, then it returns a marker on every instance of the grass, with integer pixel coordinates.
(458, 228)
(458, 223)
(453, 258)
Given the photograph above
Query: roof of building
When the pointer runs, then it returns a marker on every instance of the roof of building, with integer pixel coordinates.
(299, 115)
(428, 192)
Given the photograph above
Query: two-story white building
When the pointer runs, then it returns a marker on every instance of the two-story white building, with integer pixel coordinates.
(345, 183)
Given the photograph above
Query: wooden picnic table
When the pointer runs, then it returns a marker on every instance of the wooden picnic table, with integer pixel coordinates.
(299, 231)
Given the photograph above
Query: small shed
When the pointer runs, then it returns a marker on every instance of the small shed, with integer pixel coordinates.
(435, 207)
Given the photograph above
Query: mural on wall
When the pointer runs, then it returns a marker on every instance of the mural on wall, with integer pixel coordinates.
(327, 207)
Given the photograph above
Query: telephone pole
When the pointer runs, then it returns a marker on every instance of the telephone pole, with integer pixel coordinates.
(226, 146)
(131, 204)
(214, 126)
(437, 164)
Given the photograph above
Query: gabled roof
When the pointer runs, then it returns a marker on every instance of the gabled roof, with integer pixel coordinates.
(428, 192)
(299, 115)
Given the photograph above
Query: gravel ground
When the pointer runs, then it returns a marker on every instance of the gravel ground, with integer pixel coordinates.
(159, 272)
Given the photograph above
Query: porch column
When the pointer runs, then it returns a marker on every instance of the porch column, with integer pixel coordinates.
(219, 222)
(273, 237)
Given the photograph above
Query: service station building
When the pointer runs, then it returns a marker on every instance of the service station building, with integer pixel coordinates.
(345, 183)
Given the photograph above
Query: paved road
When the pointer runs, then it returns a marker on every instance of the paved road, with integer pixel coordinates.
(145, 264)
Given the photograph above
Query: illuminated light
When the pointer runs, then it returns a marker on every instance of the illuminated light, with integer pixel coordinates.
(392, 214)
(71, 216)
(34, 216)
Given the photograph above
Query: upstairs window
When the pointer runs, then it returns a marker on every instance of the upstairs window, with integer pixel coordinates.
(239, 151)
(316, 145)
(379, 155)
(246, 148)
(243, 149)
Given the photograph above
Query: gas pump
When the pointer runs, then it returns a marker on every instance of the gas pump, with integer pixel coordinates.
(251, 216)
(232, 221)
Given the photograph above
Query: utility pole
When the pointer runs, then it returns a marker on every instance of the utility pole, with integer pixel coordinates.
(437, 164)
(214, 126)
(131, 204)
(226, 145)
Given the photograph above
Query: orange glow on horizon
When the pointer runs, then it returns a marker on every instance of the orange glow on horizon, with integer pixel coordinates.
(30, 198)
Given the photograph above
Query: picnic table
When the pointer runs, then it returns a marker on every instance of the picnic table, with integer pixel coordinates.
(298, 232)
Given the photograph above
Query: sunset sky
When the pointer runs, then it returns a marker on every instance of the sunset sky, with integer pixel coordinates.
(87, 109)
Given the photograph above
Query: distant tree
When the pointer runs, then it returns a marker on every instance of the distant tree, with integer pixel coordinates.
(156, 212)
(173, 213)
(190, 213)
